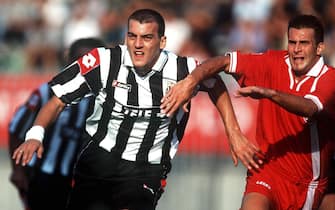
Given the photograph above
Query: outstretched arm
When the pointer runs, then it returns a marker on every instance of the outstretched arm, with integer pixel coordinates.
(33, 143)
(295, 104)
(181, 92)
(240, 147)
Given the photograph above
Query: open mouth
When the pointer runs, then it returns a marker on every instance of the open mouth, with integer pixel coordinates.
(139, 53)
(298, 58)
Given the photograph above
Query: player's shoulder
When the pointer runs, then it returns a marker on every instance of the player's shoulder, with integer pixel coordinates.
(172, 55)
(329, 73)
(94, 58)
(332, 68)
(279, 56)
(277, 53)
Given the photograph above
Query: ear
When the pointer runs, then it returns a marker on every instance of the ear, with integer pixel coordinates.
(320, 48)
(162, 42)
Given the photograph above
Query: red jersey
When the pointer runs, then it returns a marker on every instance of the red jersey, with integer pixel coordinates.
(297, 147)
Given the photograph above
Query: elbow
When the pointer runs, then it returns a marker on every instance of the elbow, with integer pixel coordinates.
(57, 104)
(311, 111)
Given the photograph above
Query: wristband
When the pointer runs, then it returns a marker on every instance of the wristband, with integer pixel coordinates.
(36, 132)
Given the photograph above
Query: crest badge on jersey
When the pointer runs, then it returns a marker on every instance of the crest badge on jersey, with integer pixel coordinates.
(89, 61)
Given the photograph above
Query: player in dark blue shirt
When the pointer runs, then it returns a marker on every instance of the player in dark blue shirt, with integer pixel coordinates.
(46, 182)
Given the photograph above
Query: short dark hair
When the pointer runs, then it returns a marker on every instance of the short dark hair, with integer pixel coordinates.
(148, 16)
(82, 46)
(308, 21)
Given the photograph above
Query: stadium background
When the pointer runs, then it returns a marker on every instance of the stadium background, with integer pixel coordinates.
(34, 34)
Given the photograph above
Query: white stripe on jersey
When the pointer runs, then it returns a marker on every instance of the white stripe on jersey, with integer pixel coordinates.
(69, 87)
(120, 93)
(105, 59)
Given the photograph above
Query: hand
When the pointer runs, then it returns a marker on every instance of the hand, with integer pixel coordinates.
(25, 151)
(179, 95)
(255, 92)
(241, 148)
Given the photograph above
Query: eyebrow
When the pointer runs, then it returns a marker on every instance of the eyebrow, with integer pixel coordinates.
(301, 41)
(144, 35)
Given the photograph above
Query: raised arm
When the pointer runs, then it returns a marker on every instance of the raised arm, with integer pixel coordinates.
(240, 147)
(34, 136)
(180, 93)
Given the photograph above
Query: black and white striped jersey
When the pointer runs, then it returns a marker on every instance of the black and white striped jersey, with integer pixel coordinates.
(126, 118)
(61, 141)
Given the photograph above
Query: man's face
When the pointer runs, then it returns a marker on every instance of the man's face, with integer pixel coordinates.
(302, 49)
(144, 44)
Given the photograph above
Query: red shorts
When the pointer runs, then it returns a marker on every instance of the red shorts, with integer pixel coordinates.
(285, 192)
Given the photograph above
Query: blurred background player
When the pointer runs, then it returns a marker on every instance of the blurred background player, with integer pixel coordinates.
(45, 184)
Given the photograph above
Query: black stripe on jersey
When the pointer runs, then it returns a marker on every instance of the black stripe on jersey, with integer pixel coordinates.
(156, 86)
(91, 105)
(133, 94)
(68, 74)
(94, 80)
(79, 93)
(182, 72)
(123, 135)
(167, 143)
(182, 124)
(109, 102)
(182, 68)
(149, 138)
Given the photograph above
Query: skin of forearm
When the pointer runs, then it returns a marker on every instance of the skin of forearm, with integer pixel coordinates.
(221, 99)
(209, 68)
(294, 104)
(49, 112)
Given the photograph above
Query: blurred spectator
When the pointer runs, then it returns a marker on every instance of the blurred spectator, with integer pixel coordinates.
(307, 6)
(15, 17)
(276, 25)
(112, 26)
(80, 23)
(194, 47)
(40, 52)
(248, 33)
(174, 24)
(219, 42)
(329, 20)
(34, 32)
(55, 13)
(201, 20)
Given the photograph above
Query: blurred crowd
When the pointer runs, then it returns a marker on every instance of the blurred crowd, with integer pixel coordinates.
(35, 33)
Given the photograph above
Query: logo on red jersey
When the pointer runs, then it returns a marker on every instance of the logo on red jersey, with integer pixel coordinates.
(89, 61)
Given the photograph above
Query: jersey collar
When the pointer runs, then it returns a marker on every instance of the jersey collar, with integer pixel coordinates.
(316, 69)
